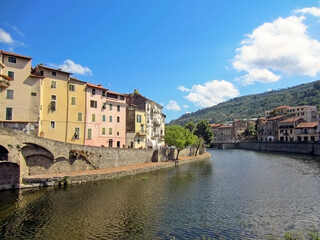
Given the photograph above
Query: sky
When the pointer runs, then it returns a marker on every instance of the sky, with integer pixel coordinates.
(183, 54)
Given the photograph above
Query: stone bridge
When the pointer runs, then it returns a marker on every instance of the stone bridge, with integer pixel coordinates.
(24, 155)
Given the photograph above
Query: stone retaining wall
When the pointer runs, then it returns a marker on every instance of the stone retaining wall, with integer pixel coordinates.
(297, 148)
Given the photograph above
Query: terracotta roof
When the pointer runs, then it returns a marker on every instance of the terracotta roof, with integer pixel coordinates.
(290, 120)
(14, 54)
(275, 118)
(282, 107)
(215, 125)
(120, 94)
(53, 69)
(226, 126)
(35, 75)
(96, 86)
(307, 125)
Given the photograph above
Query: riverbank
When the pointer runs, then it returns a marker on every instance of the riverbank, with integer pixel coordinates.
(104, 174)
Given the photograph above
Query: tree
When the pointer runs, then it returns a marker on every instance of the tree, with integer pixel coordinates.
(176, 136)
(198, 144)
(204, 131)
(191, 126)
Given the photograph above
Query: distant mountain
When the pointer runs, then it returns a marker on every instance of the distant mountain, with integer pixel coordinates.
(255, 105)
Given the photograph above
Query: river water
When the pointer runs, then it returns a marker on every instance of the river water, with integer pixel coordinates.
(237, 194)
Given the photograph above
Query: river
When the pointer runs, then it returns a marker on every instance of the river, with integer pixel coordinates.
(237, 194)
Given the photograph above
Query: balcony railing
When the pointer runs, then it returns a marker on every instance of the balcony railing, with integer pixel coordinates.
(140, 133)
(4, 80)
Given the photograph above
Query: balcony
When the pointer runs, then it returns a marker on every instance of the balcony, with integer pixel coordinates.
(140, 133)
(4, 80)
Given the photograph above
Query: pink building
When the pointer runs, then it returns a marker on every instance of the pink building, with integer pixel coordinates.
(105, 118)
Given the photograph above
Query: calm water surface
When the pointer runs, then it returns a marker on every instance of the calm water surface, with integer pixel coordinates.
(236, 194)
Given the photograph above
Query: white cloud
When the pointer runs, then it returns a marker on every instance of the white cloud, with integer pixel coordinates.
(313, 11)
(173, 105)
(183, 89)
(281, 46)
(212, 93)
(72, 67)
(5, 37)
(258, 75)
(185, 106)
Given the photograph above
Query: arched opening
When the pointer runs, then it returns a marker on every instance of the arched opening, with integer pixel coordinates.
(38, 159)
(3, 153)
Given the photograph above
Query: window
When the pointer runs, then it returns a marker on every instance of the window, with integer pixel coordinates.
(53, 84)
(110, 131)
(93, 104)
(9, 113)
(79, 116)
(12, 59)
(72, 88)
(110, 118)
(89, 133)
(77, 133)
(118, 108)
(110, 107)
(53, 104)
(104, 93)
(118, 133)
(103, 131)
(121, 97)
(33, 94)
(54, 74)
(142, 128)
(93, 91)
(138, 118)
(118, 144)
(9, 94)
(104, 105)
(103, 118)
(73, 101)
(11, 74)
(53, 124)
(93, 117)
(118, 119)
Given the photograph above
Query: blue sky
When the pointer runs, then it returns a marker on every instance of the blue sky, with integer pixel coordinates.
(185, 55)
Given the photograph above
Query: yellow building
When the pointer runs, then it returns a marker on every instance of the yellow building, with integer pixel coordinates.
(140, 129)
(136, 127)
(53, 103)
(19, 93)
(76, 111)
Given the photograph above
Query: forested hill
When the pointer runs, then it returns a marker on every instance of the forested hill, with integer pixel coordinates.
(252, 106)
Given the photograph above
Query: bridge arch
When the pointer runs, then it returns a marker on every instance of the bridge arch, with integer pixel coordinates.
(4, 153)
(38, 158)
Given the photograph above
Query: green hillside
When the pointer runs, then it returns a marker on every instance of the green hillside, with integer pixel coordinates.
(252, 106)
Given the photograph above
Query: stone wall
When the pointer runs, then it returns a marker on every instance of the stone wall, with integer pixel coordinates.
(298, 148)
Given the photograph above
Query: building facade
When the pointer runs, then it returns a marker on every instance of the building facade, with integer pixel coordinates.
(136, 127)
(19, 93)
(53, 103)
(287, 129)
(76, 112)
(155, 120)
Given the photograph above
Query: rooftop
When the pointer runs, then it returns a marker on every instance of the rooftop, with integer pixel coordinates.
(14, 55)
(307, 125)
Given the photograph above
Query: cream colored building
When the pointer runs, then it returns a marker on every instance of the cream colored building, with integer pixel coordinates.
(155, 120)
(19, 93)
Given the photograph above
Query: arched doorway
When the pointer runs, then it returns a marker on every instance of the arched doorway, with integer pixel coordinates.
(3, 153)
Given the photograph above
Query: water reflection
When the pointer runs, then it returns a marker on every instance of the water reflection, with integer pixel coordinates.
(236, 194)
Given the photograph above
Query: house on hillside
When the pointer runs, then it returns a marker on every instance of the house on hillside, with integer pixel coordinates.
(287, 129)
